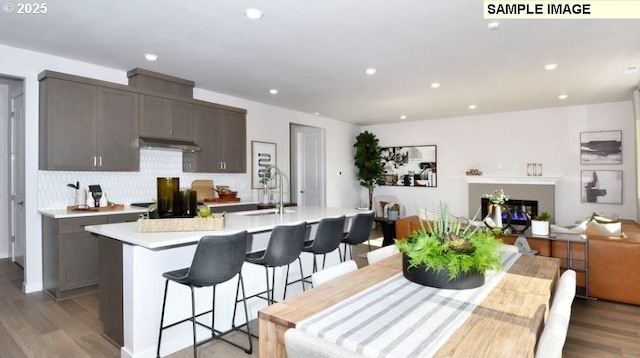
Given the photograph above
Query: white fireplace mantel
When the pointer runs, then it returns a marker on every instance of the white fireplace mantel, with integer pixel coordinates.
(532, 180)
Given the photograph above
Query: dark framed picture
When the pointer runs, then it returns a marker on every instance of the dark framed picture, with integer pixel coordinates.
(263, 154)
(414, 166)
(602, 186)
(603, 147)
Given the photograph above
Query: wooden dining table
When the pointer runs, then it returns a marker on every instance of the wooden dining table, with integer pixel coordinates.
(507, 323)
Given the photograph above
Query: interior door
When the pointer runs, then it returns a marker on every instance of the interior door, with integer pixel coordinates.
(310, 171)
(18, 226)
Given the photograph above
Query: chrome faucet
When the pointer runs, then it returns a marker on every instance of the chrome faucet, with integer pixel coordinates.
(280, 174)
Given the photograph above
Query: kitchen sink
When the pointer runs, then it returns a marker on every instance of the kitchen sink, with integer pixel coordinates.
(262, 212)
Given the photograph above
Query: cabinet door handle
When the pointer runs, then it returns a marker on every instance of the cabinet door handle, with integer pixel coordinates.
(95, 161)
(100, 161)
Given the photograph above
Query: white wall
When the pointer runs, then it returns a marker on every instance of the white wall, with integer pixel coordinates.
(266, 123)
(501, 145)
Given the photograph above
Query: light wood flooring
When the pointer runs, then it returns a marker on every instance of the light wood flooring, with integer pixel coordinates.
(34, 325)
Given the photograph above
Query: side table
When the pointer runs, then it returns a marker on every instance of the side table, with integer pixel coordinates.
(388, 230)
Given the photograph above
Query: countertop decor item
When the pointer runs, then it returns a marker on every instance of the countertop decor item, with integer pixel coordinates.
(445, 254)
(212, 223)
(114, 207)
(167, 189)
(204, 189)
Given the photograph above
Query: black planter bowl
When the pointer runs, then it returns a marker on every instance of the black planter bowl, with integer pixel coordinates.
(426, 277)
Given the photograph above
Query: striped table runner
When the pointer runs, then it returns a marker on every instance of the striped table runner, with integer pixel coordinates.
(399, 318)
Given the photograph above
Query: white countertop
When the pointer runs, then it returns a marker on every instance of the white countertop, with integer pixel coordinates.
(234, 222)
(63, 213)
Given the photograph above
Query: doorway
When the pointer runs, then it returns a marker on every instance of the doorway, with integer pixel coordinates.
(307, 165)
(12, 185)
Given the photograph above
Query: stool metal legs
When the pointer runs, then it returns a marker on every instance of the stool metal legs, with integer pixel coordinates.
(215, 334)
(164, 303)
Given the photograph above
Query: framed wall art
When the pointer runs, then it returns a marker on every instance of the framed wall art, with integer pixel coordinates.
(602, 186)
(603, 147)
(263, 154)
(410, 166)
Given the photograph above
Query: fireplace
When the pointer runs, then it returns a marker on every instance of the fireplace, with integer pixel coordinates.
(527, 189)
(518, 210)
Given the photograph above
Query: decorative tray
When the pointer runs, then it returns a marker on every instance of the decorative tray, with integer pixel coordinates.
(115, 207)
(214, 223)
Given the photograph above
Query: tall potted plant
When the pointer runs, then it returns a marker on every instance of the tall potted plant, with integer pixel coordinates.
(367, 160)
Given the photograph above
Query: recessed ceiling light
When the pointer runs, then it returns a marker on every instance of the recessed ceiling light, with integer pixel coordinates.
(563, 96)
(317, 113)
(435, 85)
(550, 66)
(370, 71)
(273, 91)
(253, 14)
(631, 69)
(472, 106)
(150, 57)
(493, 26)
(404, 116)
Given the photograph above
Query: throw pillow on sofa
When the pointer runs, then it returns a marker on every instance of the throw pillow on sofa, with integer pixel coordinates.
(595, 228)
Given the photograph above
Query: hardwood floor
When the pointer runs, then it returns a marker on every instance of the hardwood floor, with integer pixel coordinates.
(36, 326)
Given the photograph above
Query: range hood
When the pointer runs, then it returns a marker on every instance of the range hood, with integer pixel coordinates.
(146, 142)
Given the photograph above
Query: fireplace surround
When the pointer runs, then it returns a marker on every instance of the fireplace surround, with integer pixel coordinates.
(540, 189)
(516, 209)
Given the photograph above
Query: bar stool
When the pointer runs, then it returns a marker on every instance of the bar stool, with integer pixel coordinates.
(359, 232)
(217, 259)
(285, 245)
(328, 238)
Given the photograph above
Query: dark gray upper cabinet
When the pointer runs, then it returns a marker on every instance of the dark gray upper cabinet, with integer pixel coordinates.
(221, 133)
(117, 130)
(87, 127)
(166, 118)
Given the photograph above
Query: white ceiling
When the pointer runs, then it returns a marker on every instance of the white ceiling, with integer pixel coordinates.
(315, 53)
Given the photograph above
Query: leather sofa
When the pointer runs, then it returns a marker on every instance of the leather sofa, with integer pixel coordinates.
(613, 264)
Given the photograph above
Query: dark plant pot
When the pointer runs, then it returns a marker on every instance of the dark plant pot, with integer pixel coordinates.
(427, 277)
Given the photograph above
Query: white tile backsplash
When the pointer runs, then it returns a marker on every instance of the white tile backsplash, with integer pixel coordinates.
(130, 187)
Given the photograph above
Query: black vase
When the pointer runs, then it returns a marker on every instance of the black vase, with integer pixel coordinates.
(426, 277)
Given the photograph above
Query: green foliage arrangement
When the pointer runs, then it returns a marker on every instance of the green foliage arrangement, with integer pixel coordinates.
(498, 197)
(265, 179)
(447, 245)
(543, 216)
(394, 207)
(367, 160)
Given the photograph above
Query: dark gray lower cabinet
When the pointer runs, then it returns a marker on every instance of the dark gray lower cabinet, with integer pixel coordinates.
(70, 264)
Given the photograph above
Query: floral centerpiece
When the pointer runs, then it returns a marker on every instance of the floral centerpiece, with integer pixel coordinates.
(445, 254)
(497, 199)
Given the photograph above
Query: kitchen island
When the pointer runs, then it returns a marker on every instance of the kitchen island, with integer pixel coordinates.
(131, 283)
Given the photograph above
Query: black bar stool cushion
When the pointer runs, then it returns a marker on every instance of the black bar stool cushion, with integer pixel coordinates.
(285, 245)
(328, 236)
